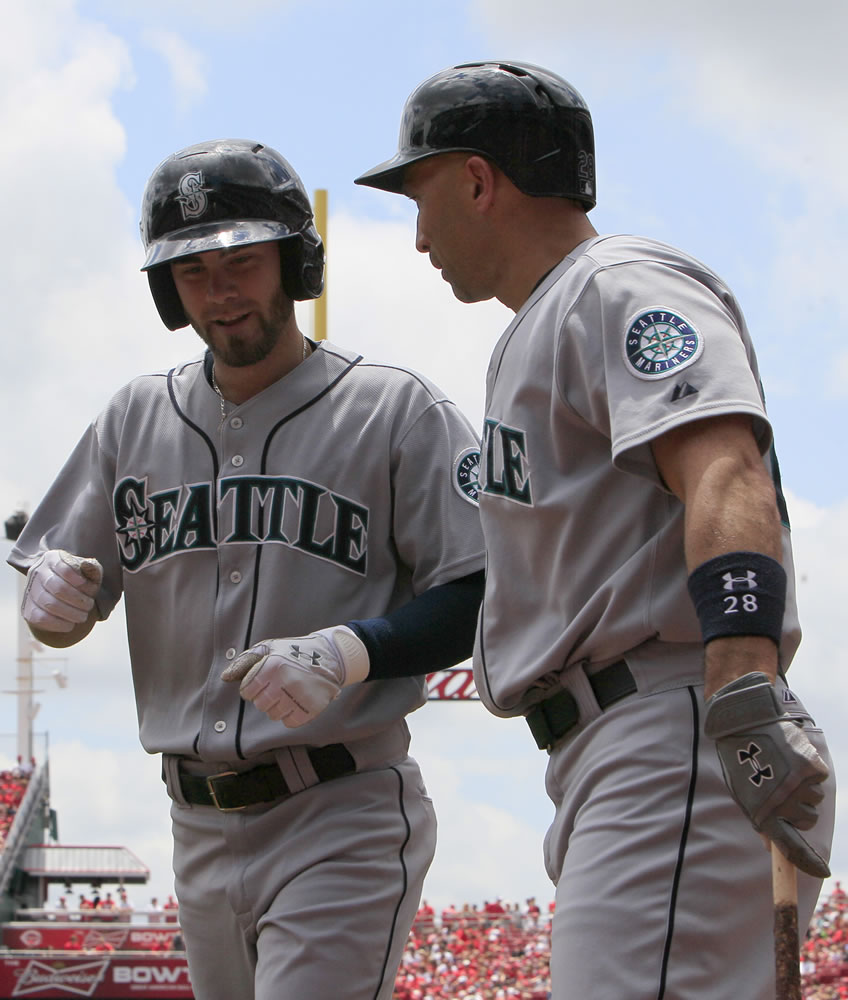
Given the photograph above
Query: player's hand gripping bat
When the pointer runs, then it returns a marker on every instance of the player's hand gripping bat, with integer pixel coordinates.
(772, 769)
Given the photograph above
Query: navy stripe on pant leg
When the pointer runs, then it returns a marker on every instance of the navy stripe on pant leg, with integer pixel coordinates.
(681, 850)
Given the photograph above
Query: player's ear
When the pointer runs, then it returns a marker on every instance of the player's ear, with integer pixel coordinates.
(481, 172)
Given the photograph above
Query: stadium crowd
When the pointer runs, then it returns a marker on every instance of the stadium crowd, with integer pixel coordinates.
(501, 951)
(495, 952)
(824, 956)
(13, 785)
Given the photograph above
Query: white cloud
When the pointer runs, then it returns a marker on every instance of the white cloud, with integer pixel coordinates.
(78, 320)
(203, 14)
(820, 669)
(186, 66)
(62, 144)
(386, 300)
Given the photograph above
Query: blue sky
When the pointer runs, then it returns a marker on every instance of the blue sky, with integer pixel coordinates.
(719, 128)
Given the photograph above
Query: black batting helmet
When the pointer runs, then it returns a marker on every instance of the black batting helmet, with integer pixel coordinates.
(530, 122)
(221, 194)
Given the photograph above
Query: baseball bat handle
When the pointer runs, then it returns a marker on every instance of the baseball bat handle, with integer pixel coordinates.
(784, 879)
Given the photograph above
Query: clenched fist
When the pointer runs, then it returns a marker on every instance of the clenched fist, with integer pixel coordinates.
(60, 590)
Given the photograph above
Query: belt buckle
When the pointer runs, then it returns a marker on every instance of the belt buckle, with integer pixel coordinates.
(210, 779)
(553, 718)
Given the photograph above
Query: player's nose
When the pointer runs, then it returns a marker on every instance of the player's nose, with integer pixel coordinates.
(220, 285)
(422, 244)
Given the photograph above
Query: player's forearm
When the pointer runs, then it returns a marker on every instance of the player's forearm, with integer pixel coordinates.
(734, 511)
(731, 509)
(715, 468)
(432, 632)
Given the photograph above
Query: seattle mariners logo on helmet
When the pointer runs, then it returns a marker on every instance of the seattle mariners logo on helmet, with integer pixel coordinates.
(659, 342)
(192, 195)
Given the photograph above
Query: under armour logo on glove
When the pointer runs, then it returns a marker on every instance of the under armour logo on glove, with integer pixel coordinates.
(294, 680)
(750, 756)
(312, 655)
(747, 720)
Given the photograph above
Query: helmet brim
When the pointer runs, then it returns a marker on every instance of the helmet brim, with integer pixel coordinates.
(389, 175)
(213, 236)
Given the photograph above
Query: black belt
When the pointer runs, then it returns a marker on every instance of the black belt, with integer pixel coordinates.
(231, 790)
(557, 715)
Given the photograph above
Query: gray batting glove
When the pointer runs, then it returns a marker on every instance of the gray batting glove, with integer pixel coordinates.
(770, 766)
(294, 680)
(60, 590)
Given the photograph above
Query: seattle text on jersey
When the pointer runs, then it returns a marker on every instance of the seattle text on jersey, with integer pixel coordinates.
(250, 510)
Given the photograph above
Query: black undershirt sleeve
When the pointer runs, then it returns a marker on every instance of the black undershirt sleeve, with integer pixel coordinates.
(433, 631)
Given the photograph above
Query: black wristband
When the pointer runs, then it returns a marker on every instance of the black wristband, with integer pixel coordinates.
(739, 593)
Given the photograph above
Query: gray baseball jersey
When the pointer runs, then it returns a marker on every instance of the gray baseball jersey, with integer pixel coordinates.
(338, 493)
(623, 340)
(663, 885)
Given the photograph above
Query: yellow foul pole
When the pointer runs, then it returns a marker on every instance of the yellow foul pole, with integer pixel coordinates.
(320, 314)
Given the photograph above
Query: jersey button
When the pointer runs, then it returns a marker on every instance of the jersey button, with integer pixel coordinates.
(230, 654)
(238, 460)
(220, 726)
(235, 576)
(236, 423)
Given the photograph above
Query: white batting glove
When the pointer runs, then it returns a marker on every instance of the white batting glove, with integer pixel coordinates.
(60, 590)
(294, 680)
(770, 766)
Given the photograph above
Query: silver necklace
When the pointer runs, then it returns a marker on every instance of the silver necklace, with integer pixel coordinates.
(307, 350)
(220, 395)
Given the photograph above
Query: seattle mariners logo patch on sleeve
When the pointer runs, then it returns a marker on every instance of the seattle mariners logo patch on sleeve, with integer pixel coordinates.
(659, 342)
(466, 475)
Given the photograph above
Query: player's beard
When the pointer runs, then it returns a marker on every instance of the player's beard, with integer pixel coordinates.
(240, 352)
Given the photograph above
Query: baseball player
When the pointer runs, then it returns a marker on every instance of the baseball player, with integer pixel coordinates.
(297, 543)
(639, 606)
